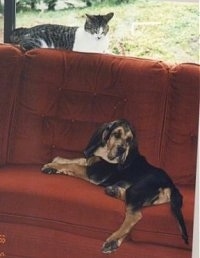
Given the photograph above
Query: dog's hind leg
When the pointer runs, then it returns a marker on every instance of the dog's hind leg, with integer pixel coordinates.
(136, 197)
(115, 240)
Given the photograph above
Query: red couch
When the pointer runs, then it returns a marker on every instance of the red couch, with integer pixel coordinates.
(51, 102)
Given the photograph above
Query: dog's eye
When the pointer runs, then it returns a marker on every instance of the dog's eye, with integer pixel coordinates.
(117, 135)
(129, 139)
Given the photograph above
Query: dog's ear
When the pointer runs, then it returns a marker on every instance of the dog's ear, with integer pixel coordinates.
(109, 127)
(99, 138)
(133, 149)
(133, 143)
(133, 153)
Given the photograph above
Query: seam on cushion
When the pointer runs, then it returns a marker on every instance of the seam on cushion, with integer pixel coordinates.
(161, 147)
(14, 108)
(167, 69)
(8, 128)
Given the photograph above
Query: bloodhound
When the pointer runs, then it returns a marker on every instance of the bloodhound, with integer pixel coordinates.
(112, 160)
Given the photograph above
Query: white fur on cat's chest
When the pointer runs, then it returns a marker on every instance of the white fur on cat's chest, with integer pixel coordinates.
(86, 42)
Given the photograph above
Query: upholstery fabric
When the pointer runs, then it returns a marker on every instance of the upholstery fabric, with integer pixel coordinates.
(42, 243)
(82, 92)
(51, 101)
(181, 125)
(88, 212)
(10, 70)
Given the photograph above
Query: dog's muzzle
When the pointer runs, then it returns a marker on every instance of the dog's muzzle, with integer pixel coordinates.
(119, 155)
(120, 151)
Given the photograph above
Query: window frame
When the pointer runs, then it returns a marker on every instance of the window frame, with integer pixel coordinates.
(9, 18)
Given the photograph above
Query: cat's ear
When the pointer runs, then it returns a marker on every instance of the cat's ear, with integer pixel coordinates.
(108, 17)
(89, 17)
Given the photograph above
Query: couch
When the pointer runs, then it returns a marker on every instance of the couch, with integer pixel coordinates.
(51, 101)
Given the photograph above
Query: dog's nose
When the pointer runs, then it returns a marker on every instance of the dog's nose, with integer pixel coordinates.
(121, 150)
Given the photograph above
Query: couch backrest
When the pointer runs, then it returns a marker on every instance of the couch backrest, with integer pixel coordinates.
(62, 97)
(180, 134)
(10, 71)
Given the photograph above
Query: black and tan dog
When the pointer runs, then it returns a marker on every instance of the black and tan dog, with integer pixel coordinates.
(113, 161)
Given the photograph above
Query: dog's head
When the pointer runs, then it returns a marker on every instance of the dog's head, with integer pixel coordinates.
(113, 142)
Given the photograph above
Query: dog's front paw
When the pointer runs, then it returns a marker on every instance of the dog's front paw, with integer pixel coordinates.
(110, 246)
(112, 191)
(47, 169)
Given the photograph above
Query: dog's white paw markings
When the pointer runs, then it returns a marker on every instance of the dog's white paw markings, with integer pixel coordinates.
(110, 246)
(112, 191)
(48, 170)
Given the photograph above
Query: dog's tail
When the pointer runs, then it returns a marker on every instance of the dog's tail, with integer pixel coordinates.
(176, 205)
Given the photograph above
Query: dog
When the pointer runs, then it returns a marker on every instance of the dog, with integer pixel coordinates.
(112, 160)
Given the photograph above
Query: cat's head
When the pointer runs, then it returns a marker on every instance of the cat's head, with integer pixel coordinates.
(97, 25)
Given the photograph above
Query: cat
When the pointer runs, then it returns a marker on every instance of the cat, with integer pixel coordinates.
(92, 37)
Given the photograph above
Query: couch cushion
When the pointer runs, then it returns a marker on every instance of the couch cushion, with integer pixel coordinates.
(64, 96)
(72, 205)
(10, 69)
(179, 146)
(48, 243)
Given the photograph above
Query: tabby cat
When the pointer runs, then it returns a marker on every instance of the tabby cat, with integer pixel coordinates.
(93, 37)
